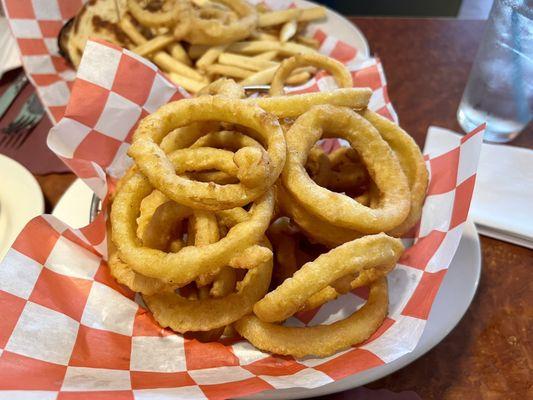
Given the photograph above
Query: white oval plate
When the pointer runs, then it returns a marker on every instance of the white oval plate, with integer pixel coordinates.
(452, 301)
(21, 199)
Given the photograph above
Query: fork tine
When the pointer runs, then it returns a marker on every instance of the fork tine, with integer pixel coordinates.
(3, 138)
(21, 127)
(23, 123)
(15, 126)
(21, 138)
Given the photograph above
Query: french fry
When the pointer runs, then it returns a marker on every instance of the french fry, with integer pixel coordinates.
(267, 55)
(178, 52)
(152, 45)
(188, 84)
(313, 13)
(162, 59)
(263, 77)
(253, 61)
(288, 30)
(210, 56)
(260, 46)
(264, 36)
(311, 70)
(278, 17)
(308, 41)
(129, 29)
(166, 62)
(299, 78)
(245, 62)
(228, 70)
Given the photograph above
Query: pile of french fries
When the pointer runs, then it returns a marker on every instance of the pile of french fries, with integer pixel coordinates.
(279, 34)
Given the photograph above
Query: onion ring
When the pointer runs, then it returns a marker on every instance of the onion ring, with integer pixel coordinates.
(337, 69)
(412, 163)
(184, 266)
(215, 32)
(157, 19)
(358, 255)
(345, 284)
(153, 162)
(321, 340)
(223, 87)
(297, 104)
(227, 140)
(182, 315)
(382, 164)
(134, 281)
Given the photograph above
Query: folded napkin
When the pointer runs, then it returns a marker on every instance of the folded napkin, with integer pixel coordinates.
(9, 54)
(502, 206)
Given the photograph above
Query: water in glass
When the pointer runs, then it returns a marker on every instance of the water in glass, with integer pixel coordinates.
(500, 87)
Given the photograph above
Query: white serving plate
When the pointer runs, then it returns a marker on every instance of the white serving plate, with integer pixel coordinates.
(452, 301)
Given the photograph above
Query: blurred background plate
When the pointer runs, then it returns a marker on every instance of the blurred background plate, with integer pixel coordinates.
(20, 200)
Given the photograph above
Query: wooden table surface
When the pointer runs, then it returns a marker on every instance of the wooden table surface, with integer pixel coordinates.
(426, 62)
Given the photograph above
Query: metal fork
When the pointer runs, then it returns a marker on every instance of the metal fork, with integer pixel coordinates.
(16, 133)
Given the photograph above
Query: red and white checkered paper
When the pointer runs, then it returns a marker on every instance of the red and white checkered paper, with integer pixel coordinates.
(70, 331)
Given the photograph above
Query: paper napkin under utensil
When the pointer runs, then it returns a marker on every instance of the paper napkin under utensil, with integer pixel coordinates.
(502, 206)
(9, 54)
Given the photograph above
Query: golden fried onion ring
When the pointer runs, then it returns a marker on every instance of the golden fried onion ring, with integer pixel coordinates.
(159, 18)
(353, 257)
(184, 266)
(320, 340)
(337, 69)
(217, 31)
(223, 87)
(182, 315)
(382, 164)
(153, 162)
(314, 228)
(411, 161)
(297, 104)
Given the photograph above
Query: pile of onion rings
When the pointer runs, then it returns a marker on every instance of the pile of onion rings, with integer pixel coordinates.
(233, 218)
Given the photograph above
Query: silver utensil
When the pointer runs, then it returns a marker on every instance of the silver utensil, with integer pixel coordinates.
(11, 93)
(16, 133)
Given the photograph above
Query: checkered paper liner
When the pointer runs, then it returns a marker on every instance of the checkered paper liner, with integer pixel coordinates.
(70, 331)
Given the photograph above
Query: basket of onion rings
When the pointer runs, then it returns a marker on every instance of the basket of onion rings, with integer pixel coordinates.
(264, 234)
(232, 217)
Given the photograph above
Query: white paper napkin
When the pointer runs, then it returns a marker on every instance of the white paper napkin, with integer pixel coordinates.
(9, 55)
(502, 206)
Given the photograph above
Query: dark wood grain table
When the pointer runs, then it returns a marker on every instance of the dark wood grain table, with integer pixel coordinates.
(488, 355)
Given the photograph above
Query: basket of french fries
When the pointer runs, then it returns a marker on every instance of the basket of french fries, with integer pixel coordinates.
(252, 235)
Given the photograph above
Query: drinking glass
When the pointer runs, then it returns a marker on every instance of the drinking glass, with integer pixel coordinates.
(500, 86)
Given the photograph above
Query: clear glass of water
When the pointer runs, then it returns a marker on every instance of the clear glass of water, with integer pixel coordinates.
(500, 87)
